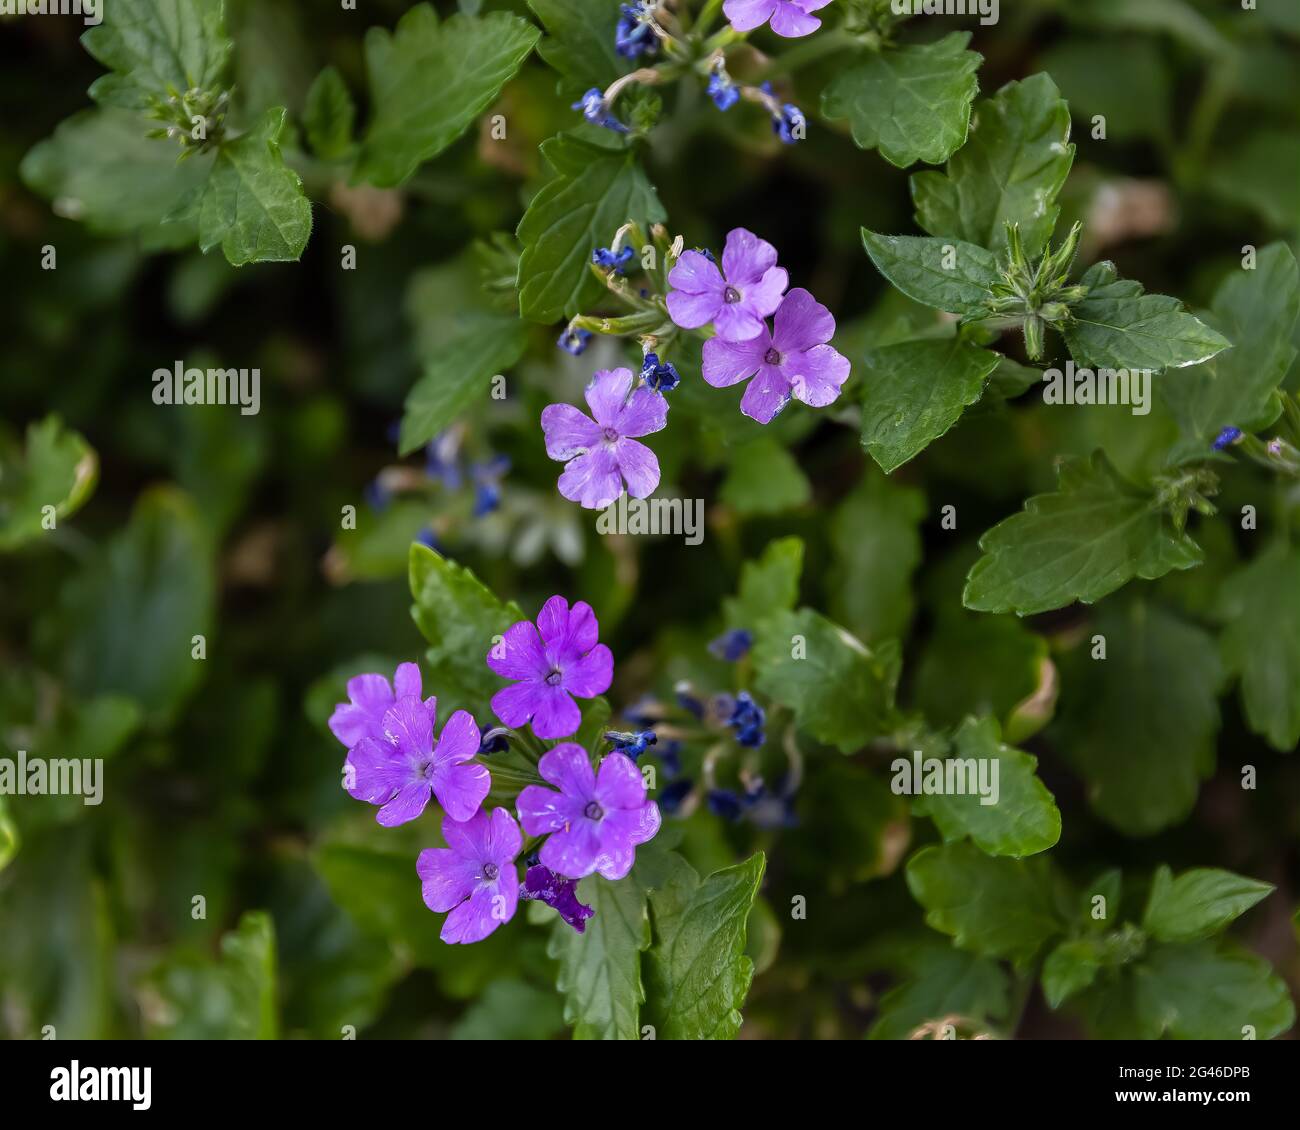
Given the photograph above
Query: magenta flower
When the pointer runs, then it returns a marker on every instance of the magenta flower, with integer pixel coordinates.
(789, 18)
(474, 876)
(602, 454)
(401, 770)
(553, 661)
(595, 820)
(370, 698)
(735, 299)
(791, 360)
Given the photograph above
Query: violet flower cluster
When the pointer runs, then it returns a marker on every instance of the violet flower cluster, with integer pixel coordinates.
(590, 821)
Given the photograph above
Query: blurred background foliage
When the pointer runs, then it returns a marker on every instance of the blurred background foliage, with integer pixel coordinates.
(222, 782)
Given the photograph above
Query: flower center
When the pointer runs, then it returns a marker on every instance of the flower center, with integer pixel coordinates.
(772, 357)
(731, 296)
(490, 871)
(593, 811)
(611, 435)
(553, 679)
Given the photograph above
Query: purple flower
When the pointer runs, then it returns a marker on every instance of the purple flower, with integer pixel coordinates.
(722, 90)
(662, 376)
(474, 876)
(631, 742)
(574, 340)
(632, 36)
(402, 770)
(557, 892)
(602, 455)
(791, 125)
(733, 645)
(592, 105)
(370, 698)
(595, 820)
(789, 18)
(735, 299)
(1226, 438)
(615, 261)
(553, 661)
(791, 360)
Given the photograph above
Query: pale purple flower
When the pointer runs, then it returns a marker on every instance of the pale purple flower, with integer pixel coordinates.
(553, 661)
(791, 360)
(474, 876)
(602, 454)
(370, 698)
(736, 298)
(596, 820)
(403, 768)
(789, 18)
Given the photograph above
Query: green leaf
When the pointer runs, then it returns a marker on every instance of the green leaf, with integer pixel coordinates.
(912, 393)
(841, 693)
(579, 44)
(912, 102)
(944, 273)
(764, 478)
(1257, 309)
(100, 169)
(1140, 724)
(59, 469)
(1095, 533)
(157, 48)
(943, 982)
(253, 204)
(767, 586)
(994, 907)
(155, 581)
(1023, 818)
(1205, 991)
(460, 618)
(1070, 968)
(1122, 328)
(1198, 903)
(430, 80)
(595, 191)
(1010, 170)
(329, 115)
(1259, 607)
(876, 544)
(697, 974)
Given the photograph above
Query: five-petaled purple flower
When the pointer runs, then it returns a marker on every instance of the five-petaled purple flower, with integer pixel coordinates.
(602, 454)
(557, 892)
(735, 299)
(596, 820)
(474, 876)
(370, 698)
(790, 18)
(791, 360)
(406, 764)
(552, 661)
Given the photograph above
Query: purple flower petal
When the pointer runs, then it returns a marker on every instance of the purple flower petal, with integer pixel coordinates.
(557, 715)
(568, 431)
(619, 783)
(591, 674)
(727, 363)
(516, 704)
(639, 466)
(766, 395)
(606, 393)
(409, 726)
(573, 850)
(746, 258)
(746, 15)
(362, 716)
(543, 810)
(519, 654)
(765, 296)
(411, 800)
(737, 322)
(690, 310)
(487, 908)
(816, 375)
(801, 323)
(568, 768)
(791, 21)
(474, 877)
(460, 788)
(646, 412)
(557, 892)
(447, 878)
(378, 771)
(592, 480)
(696, 274)
(406, 681)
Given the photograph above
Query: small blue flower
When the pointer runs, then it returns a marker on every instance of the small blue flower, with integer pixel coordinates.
(1226, 438)
(633, 36)
(616, 261)
(442, 460)
(732, 645)
(659, 375)
(791, 126)
(487, 484)
(722, 90)
(634, 744)
(573, 340)
(592, 105)
(671, 796)
(747, 719)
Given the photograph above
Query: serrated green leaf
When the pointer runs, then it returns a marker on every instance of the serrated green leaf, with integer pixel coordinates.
(1095, 533)
(58, 469)
(912, 393)
(994, 907)
(1023, 818)
(596, 189)
(911, 102)
(767, 586)
(430, 80)
(1009, 171)
(329, 115)
(696, 972)
(579, 44)
(841, 693)
(1139, 725)
(253, 204)
(1259, 607)
(1138, 331)
(944, 273)
(1198, 903)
